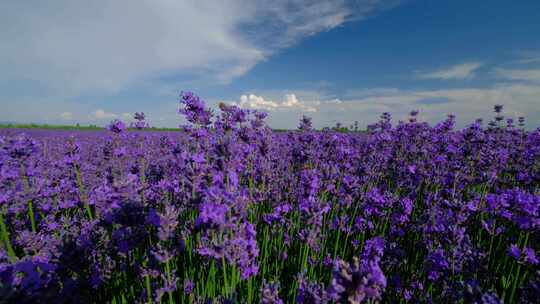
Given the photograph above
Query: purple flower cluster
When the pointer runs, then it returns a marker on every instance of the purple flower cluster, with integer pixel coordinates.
(139, 122)
(117, 126)
(228, 211)
(362, 280)
(194, 109)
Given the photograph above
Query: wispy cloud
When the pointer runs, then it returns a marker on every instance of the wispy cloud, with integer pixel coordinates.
(290, 21)
(527, 57)
(467, 103)
(83, 51)
(66, 115)
(365, 105)
(102, 114)
(460, 71)
(519, 96)
(531, 75)
(433, 100)
(75, 47)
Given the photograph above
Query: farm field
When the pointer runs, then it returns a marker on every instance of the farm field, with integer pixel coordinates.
(228, 211)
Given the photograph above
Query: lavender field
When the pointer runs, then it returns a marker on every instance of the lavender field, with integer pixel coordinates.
(228, 211)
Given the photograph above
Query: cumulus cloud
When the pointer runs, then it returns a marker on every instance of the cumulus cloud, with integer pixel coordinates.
(257, 102)
(290, 103)
(66, 115)
(460, 71)
(101, 114)
(365, 105)
(466, 103)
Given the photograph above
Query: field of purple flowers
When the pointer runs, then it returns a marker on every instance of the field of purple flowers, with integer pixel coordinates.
(232, 212)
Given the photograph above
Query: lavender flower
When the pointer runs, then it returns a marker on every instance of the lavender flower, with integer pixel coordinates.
(116, 126)
(222, 209)
(357, 282)
(514, 252)
(270, 293)
(530, 256)
(188, 286)
(194, 109)
(140, 122)
(305, 123)
(310, 292)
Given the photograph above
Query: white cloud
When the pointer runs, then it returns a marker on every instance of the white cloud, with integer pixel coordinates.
(364, 92)
(528, 57)
(335, 101)
(466, 103)
(72, 50)
(103, 45)
(101, 114)
(291, 103)
(532, 75)
(292, 20)
(365, 105)
(257, 102)
(66, 115)
(460, 71)
(74, 47)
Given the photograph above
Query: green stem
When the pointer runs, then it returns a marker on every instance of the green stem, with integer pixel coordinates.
(5, 237)
(83, 192)
(517, 278)
(31, 215)
(168, 273)
(226, 287)
(26, 185)
(148, 288)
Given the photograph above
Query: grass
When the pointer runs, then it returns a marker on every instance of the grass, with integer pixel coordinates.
(68, 127)
(97, 128)
(47, 126)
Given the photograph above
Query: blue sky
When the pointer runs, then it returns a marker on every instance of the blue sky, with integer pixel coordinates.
(73, 61)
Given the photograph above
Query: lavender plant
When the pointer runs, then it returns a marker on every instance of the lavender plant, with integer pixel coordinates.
(229, 211)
